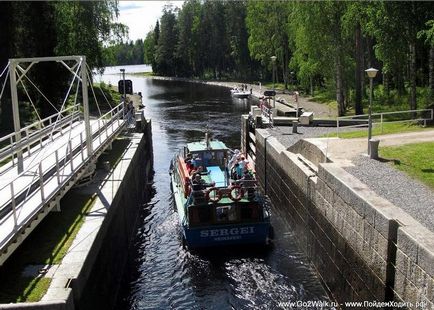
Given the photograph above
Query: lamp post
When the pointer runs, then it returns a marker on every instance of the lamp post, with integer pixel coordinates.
(123, 78)
(371, 72)
(273, 61)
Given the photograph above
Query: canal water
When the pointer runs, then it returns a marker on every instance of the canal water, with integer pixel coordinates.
(160, 273)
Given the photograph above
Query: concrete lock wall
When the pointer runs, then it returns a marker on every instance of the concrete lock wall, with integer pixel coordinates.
(88, 277)
(99, 288)
(363, 247)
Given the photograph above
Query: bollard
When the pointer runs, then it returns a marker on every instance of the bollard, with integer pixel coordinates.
(294, 126)
(373, 148)
(258, 121)
(106, 166)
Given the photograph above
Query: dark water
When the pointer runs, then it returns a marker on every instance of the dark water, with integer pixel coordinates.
(160, 273)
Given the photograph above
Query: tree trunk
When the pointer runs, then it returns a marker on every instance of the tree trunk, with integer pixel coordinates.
(412, 76)
(359, 69)
(339, 87)
(6, 8)
(431, 71)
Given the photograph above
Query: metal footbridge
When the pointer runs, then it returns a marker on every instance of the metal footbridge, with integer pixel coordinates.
(40, 162)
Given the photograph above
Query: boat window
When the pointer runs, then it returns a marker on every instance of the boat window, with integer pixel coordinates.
(226, 214)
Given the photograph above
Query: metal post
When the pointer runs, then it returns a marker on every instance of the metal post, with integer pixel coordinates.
(16, 113)
(274, 88)
(81, 147)
(89, 143)
(99, 132)
(57, 166)
(296, 103)
(41, 182)
(381, 122)
(370, 115)
(123, 78)
(14, 212)
(71, 156)
(337, 127)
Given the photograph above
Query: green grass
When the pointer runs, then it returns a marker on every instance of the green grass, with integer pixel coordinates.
(50, 241)
(388, 128)
(114, 156)
(47, 244)
(417, 160)
(145, 74)
(23, 289)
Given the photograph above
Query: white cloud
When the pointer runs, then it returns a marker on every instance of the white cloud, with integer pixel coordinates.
(141, 16)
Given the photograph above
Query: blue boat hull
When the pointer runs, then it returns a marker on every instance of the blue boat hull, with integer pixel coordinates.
(225, 235)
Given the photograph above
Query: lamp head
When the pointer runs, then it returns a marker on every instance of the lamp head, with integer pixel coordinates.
(273, 59)
(371, 72)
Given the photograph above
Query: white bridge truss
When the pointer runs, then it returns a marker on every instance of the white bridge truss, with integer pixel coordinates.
(41, 162)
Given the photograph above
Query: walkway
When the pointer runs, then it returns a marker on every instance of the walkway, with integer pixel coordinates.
(40, 162)
(397, 187)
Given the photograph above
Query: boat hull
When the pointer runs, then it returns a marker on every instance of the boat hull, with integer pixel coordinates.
(241, 95)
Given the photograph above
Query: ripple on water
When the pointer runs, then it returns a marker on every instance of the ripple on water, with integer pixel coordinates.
(161, 273)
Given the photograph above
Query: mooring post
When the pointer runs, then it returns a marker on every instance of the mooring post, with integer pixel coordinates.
(16, 113)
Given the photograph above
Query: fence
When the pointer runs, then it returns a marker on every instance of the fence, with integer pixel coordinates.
(379, 119)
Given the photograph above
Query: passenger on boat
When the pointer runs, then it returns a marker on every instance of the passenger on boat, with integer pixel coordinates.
(198, 187)
(248, 184)
(196, 161)
(198, 171)
(242, 165)
(233, 159)
(188, 163)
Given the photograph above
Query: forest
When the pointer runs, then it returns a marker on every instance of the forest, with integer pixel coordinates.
(319, 45)
(128, 53)
(40, 29)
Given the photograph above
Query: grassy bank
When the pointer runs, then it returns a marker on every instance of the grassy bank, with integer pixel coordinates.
(47, 245)
(50, 241)
(388, 128)
(417, 160)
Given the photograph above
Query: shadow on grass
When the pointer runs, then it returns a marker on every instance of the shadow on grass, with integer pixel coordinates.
(50, 241)
(386, 160)
(429, 170)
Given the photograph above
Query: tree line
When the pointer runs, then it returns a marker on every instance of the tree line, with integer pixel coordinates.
(317, 44)
(124, 53)
(40, 29)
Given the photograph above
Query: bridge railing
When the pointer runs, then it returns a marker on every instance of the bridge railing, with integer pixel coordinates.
(379, 119)
(34, 134)
(45, 170)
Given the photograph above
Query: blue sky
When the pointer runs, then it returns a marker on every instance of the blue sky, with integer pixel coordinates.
(141, 16)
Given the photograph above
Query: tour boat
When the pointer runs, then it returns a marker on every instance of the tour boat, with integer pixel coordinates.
(237, 93)
(218, 207)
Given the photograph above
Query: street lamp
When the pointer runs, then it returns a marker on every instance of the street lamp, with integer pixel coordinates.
(371, 72)
(273, 61)
(123, 78)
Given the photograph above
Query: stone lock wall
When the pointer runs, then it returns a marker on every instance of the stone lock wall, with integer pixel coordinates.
(363, 247)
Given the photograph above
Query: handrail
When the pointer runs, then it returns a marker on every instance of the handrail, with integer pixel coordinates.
(40, 135)
(36, 124)
(365, 117)
(116, 114)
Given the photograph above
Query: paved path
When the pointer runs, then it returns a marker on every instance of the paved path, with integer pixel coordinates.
(343, 150)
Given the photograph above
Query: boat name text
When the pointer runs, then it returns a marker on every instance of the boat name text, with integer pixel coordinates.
(227, 232)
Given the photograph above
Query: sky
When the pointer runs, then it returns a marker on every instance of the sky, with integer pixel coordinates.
(141, 16)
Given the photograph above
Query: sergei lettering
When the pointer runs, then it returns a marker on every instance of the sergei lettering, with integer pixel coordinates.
(226, 232)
